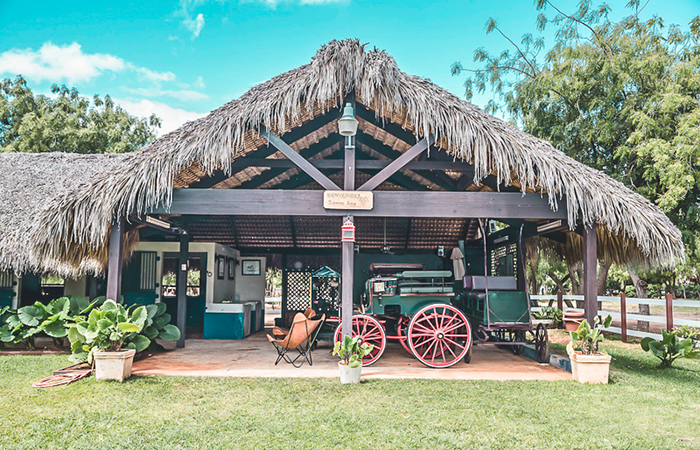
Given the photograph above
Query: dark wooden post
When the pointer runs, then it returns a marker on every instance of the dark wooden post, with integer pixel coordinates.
(348, 256)
(623, 316)
(669, 312)
(560, 300)
(114, 269)
(182, 287)
(590, 275)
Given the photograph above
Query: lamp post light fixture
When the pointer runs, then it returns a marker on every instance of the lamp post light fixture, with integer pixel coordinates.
(347, 125)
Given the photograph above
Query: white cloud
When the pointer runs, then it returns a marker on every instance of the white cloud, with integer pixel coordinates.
(199, 83)
(172, 118)
(194, 25)
(151, 75)
(185, 95)
(52, 62)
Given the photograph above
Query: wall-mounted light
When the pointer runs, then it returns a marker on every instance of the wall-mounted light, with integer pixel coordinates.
(549, 226)
(158, 223)
(347, 125)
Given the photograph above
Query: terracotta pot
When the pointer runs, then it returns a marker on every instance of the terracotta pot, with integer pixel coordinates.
(592, 369)
(349, 375)
(114, 366)
(572, 319)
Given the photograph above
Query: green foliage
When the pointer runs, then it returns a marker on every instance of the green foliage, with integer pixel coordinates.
(53, 319)
(688, 332)
(112, 327)
(621, 97)
(586, 338)
(107, 328)
(670, 348)
(550, 313)
(67, 122)
(351, 351)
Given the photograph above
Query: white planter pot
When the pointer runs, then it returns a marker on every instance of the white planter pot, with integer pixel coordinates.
(115, 366)
(349, 375)
(593, 369)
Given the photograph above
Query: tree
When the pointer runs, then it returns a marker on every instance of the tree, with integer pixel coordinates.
(621, 97)
(67, 122)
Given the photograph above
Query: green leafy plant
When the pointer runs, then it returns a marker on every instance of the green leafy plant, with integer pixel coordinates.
(688, 332)
(351, 351)
(112, 327)
(107, 328)
(53, 319)
(669, 348)
(550, 313)
(586, 339)
(158, 325)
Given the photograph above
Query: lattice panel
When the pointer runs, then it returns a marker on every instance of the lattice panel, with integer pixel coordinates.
(298, 290)
(326, 295)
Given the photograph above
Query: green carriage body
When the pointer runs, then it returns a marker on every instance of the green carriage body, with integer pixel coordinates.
(408, 291)
(503, 305)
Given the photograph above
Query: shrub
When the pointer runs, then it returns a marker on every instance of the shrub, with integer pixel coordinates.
(670, 348)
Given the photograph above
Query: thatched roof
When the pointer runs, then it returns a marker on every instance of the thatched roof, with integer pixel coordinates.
(28, 184)
(77, 223)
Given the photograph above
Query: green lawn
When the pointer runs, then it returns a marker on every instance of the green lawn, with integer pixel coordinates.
(643, 407)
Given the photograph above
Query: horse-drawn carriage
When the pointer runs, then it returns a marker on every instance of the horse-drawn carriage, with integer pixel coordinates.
(437, 318)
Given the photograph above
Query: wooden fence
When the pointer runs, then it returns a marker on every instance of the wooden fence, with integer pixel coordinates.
(669, 321)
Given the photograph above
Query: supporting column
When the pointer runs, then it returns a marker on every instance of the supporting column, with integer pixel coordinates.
(348, 257)
(590, 275)
(182, 287)
(114, 270)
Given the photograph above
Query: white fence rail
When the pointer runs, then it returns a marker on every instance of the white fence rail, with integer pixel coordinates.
(668, 320)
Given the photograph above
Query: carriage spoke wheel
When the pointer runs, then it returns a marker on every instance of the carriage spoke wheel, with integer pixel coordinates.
(439, 336)
(517, 336)
(370, 331)
(541, 343)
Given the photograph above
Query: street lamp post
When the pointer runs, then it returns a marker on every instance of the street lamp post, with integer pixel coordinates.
(347, 126)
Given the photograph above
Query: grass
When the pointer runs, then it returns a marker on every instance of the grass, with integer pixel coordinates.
(643, 407)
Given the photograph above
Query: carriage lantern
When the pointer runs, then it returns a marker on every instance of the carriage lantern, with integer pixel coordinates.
(348, 231)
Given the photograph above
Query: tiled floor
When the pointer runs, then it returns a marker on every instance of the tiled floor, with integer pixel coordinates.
(255, 357)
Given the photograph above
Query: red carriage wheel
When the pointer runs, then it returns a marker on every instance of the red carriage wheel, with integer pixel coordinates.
(370, 331)
(439, 335)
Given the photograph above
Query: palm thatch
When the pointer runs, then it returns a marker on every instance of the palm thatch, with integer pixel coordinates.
(76, 224)
(29, 182)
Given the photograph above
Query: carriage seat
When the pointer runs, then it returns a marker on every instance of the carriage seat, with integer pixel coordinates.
(478, 283)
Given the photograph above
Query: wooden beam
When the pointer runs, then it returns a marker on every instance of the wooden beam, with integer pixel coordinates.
(388, 152)
(397, 164)
(307, 153)
(371, 164)
(272, 202)
(181, 288)
(297, 159)
(590, 276)
(114, 271)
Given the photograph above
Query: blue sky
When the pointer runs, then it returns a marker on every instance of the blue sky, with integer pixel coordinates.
(181, 59)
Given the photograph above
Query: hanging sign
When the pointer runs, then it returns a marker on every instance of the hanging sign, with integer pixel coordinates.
(359, 200)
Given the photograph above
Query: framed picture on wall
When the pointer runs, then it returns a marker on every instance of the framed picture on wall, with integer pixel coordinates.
(231, 264)
(220, 267)
(250, 267)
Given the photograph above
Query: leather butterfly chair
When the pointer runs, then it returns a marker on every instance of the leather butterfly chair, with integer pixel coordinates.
(301, 338)
(280, 333)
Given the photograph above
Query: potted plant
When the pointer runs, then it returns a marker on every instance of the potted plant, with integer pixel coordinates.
(588, 365)
(100, 339)
(351, 351)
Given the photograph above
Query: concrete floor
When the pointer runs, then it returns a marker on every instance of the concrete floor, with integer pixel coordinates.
(255, 357)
